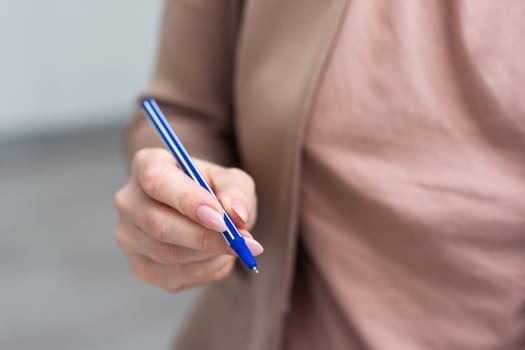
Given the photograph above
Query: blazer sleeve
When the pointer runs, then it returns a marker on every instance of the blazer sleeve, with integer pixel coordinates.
(193, 78)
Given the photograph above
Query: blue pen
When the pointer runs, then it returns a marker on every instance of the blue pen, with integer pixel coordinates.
(231, 235)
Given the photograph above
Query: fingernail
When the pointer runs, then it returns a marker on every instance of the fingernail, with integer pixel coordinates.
(210, 218)
(240, 209)
(255, 247)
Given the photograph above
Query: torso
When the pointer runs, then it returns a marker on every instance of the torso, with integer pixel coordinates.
(413, 193)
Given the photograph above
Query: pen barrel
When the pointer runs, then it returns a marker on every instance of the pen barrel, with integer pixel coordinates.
(241, 249)
(232, 235)
(237, 243)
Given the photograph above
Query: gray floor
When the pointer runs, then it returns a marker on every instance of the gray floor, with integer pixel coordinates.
(63, 282)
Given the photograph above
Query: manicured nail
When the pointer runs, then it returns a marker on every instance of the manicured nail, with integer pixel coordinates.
(210, 218)
(240, 209)
(255, 247)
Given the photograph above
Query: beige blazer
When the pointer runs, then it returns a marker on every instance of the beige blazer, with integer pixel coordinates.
(237, 79)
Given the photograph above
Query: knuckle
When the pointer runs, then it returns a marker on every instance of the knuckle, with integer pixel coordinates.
(156, 225)
(139, 158)
(151, 179)
(120, 200)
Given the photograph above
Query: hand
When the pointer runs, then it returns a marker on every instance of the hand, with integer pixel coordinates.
(169, 226)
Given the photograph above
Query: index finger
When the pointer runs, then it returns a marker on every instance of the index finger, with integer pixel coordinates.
(161, 179)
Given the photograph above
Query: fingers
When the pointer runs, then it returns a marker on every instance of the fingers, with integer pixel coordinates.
(168, 224)
(255, 247)
(162, 180)
(163, 224)
(139, 213)
(174, 278)
(134, 241)
(235, 190)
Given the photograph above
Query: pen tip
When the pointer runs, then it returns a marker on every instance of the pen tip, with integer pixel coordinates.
(255, 270)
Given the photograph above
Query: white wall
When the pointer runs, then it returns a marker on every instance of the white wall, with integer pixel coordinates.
(66, 64)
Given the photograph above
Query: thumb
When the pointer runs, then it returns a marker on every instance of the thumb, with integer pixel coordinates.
(235, 190)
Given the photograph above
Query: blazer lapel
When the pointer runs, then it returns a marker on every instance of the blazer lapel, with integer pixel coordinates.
(283, 48)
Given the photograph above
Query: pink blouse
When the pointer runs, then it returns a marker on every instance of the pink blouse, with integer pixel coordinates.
(418, 239)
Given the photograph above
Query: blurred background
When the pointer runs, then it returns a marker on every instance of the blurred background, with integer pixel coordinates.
(69, 74)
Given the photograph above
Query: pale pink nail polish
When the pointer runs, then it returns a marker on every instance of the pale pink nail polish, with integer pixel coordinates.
(210, 218)
(255, 247)
(240, 209)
